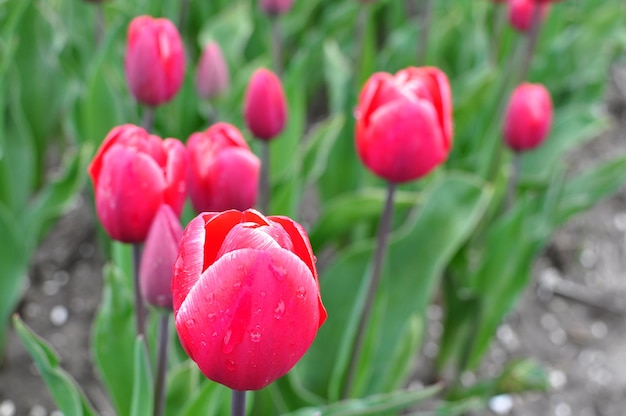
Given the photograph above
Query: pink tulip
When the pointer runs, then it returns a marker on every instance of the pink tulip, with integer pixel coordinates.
(265, 108)
(133, 174)
(212, 76)
(528, 117)
(521, 13)
(247, 302)
(155, 60)
(404, 123)
(223, 172)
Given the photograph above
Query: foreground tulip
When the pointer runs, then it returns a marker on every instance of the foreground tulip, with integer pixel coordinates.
(155, 60)
(158, 258)
(521, 13)
(247, 304)
(265, 108)
(276, 7)
(133, 174)
(212, 76)
(528, 117)
(404, 123)
(223, 171)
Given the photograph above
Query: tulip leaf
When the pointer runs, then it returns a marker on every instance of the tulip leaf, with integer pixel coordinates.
(181, 380)
(338, 75)
(113, 333)
(318, 145)
(13, 268)
(212, 399)
(380, 404)
(63, 388)
(143, 393)
(414, 263)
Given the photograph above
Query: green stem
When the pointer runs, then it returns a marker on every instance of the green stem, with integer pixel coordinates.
(147, 121)
(264, 181)
(513, 180)
(277, 46)
(182, 18)
(384, 228)
(531, 42)
(139, 306)
(238, 403)
(162, 352)
(424, 31)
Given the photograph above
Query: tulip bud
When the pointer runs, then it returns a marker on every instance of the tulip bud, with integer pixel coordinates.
(528, 117)
(265, 109)
(223, 172)
(212, 77)
(133, 174)
(155, 60)
(276, 7)
(404, 123)
(521, 13)
(158, 258)
(246, 296)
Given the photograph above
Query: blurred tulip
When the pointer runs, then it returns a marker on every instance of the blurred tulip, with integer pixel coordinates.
(212, 76)
(159, 255)
(265, 108)
(155, 60)
(247, 303)
(223, 172)
(404, 123)
(276, 7)
(133, 174)
(528, 117)
(521, 13)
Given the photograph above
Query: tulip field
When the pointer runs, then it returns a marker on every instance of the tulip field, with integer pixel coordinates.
(288, 207)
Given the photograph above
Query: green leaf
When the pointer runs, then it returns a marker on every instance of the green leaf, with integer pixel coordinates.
(143, 392)
(373, 405)
(338, 75)
(113, 339)
(318, 145)
(212, 399)
(414, 263)
(181, 381)
(65, 391)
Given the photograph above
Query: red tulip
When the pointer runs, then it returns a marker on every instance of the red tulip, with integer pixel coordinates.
(158, 258)
(155, 60)
(133, 174)
(404, 123)
(521, 13)
(212, 77)
(528, 117)
(276, 7)
(265, 109)
(224, 173)
(247, 304)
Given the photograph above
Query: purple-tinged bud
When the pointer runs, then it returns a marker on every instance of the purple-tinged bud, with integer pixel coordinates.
(276, 7)
(158, 258)
(212, 76)
(265, 108)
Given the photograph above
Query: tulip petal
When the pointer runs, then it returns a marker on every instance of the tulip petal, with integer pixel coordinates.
(250, 317)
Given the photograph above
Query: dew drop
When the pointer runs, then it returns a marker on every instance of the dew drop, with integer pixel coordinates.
(263, 294)
(301, 293)
(210, 297)
(278, 272)
(228, 347)
(255, 336)
(190, 323)
(237, 285)
(212, 316)
(280, 309)
(214, 334)
(230, 365)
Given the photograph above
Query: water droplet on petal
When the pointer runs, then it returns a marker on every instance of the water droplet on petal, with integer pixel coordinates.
(228, 347)
(280, 309)
(237, 285)
(279, 272)
(230, 365)
(212, 316)
(190, 323)
(263, 294)
(301, 293)
(255, 336)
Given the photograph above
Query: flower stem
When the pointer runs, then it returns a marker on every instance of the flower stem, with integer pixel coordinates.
(99, 24)
(498, 31)
(238, 407)
(147, 121)
(531, 42)
(159, 385)
(384, 228)
(182, 18)
(139, 306)
(424, 30)
(277, 46)
(513, 180)
(264, 182)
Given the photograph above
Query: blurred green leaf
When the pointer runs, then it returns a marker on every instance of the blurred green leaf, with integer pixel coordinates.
(212, 399)
(181, 381)
(338, 73)
(113, 336)
(143, 391)
(381, 404)
(65, 391)
(318, 146)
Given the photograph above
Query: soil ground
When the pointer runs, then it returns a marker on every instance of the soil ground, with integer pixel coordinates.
(571, 318)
